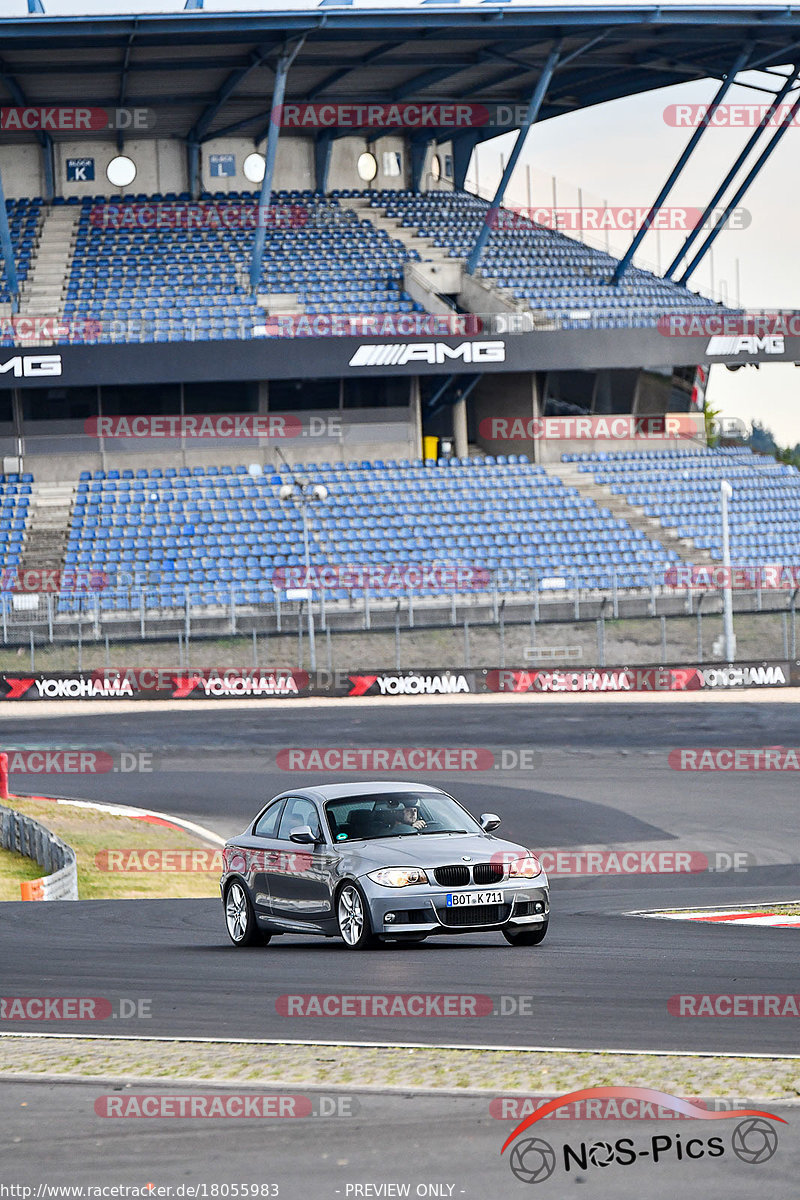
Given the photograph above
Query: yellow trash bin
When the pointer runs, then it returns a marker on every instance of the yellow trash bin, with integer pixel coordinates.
(430, 446)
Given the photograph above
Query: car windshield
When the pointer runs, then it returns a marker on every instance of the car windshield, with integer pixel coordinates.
(396, 814)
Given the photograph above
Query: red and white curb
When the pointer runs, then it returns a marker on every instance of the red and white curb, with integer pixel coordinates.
(727, 916)
(148, 815)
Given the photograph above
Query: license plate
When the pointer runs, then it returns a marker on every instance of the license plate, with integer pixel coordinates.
(468, 899)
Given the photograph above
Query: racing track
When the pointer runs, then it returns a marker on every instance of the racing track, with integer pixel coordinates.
(601, 979)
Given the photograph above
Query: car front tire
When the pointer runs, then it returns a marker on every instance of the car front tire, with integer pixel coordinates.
(240, 920)
(526, 937)
(352, 915)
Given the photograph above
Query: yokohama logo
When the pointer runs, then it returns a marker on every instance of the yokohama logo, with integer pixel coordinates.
(397, 354)
(746, 344)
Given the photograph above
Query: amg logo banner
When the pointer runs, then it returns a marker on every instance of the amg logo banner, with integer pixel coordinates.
(397, 354)
(746, 344)
(31, 364)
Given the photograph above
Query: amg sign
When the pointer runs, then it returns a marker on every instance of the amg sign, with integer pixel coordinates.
(397, 354)
(27, 365)
(745, 344)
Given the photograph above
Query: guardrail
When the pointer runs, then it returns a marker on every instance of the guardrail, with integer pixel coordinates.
(26, 836)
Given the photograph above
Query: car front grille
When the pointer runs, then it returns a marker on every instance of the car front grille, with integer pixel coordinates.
(476, 914)
(488, 872)
(454, 876)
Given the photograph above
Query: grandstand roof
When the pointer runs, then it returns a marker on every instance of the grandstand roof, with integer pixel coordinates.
(209, 73)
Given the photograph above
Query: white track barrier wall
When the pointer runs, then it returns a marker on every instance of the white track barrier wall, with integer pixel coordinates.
(28, 837)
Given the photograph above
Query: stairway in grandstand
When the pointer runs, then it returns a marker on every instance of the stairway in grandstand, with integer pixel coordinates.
(42, 292)
(570, 474)
(47, 527)
(432, 271)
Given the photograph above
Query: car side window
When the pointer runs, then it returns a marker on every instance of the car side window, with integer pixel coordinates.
(268, 822)
(298, 811)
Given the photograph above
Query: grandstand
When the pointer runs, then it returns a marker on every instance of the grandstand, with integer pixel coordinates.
(362, 293)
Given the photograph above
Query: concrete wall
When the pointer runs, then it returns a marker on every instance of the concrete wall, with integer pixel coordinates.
(512, 395)
(349, 434)
(161, 165)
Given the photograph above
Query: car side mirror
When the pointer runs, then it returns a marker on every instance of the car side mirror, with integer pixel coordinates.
(489, 821)
(304, 835)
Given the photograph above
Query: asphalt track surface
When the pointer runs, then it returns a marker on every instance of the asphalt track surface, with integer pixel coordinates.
(51, 1134)
(602, 978)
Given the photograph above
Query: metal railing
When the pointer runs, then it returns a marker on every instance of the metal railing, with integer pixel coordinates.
(26, 836)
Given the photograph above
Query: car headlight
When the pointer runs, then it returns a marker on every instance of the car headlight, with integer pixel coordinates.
(524, 868)
(398, 876)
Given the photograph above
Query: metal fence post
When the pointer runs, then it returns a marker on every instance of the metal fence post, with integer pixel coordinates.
(615, 593)
(700, 631)
(5, 620)
(255, 649)
(300, 635)
(601, 639)
(367, 618)
(577, 597)
(652, 593)
(466, 642)
(80, 644)
(141, 613)
(785, 624)
(502, 634)
(33, 654)
(278, 611)
(50, 617)
(233, 609)
(323, 623)
(663, 639)
(536, 596)
(397, 636)
(453, 614)
(410, 608)
(794, 627)
(187, 627)
(108, 654)
(329, 648)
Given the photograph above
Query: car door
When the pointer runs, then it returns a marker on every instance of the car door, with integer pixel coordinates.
(260, 849)
(298, 875)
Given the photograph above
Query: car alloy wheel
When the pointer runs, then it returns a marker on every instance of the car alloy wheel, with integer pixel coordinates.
(240, 919)
(354, 924)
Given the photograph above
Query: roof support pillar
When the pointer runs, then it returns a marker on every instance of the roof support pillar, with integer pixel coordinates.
(265, 199)
(723, 187)
(463, 145)
(727, 81)
(419, 149)
(323, 150)
(193, 168)
(749, 178)
(530, 119)
(7, 251)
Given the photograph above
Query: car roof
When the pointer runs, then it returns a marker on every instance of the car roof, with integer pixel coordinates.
(339, 791)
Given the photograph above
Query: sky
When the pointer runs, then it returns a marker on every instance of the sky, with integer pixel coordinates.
(620, 153)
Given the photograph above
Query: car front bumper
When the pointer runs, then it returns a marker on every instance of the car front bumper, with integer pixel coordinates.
(397, 912)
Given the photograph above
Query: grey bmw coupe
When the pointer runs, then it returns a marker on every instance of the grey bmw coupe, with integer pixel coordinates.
(374, 862)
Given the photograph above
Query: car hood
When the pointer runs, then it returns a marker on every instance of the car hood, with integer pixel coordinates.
(426, 850)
